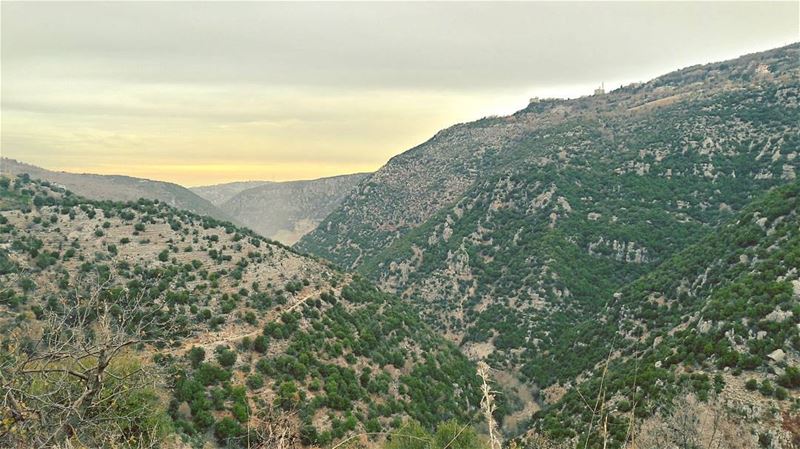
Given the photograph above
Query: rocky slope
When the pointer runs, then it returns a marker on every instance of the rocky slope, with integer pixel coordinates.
(719, 321)
(244, 330)
(117, 188)
(285, 211)
(515, 232)
(415, 185)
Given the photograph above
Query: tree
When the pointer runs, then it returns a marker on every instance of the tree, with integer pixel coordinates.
(288, 396)
(690, 424)
(225, 356)
(261, 343)
(76, 380)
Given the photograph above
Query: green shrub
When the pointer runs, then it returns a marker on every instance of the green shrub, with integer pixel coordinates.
(766, 388)
(255, 381)
(226, 429)
(261, 344)
(225, 357)
(790, 378)
(781, 393)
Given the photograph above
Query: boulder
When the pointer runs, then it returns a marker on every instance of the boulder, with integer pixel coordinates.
(777, 355)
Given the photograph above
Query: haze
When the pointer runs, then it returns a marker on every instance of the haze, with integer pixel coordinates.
(200, 93)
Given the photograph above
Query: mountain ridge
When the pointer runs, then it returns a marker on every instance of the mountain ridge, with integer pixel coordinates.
(118, 187)
(437, 171)
(218, 194)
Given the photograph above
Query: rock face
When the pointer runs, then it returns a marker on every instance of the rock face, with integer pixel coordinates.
(118, 188)
(777, 355)
(283, 211)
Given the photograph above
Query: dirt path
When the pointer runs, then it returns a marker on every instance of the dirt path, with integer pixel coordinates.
(212, 340)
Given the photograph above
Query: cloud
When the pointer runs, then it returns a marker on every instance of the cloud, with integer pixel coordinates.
(342, 85)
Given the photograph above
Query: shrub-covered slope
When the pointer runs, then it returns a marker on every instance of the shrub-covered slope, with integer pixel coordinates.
(243, 329)
(719, 320)
(117, 187)
(598, 194)
(514, 233)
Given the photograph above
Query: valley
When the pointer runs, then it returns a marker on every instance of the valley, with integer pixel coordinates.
(282, 211)
(625, 264)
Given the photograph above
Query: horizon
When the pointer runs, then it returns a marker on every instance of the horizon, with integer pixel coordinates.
(144, 111)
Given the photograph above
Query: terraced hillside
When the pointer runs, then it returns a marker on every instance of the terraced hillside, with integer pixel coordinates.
(230, 334)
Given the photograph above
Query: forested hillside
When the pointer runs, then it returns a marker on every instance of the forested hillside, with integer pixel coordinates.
(516, 233)
(137, 322)
(719, 320)
(627, 264)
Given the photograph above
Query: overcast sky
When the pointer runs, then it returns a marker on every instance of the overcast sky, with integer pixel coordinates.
(200, 93)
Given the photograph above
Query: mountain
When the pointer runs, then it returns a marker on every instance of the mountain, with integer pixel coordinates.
(218, 194)
(157, 323)
(514, 234)
(565, 134)
(284, 211)
(117, 188)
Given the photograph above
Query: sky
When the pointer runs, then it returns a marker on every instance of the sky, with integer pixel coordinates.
(204, 93)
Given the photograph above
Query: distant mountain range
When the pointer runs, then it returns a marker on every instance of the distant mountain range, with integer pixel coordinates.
(218, 194)
(118, 188)
(282, 211)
